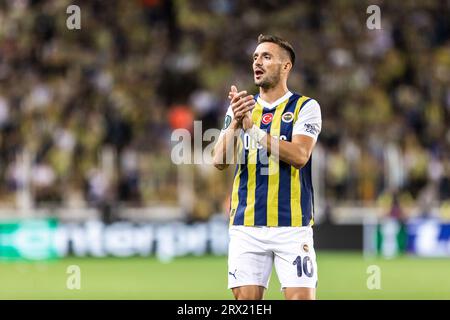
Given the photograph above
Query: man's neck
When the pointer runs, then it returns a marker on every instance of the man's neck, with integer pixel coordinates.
(272, 94)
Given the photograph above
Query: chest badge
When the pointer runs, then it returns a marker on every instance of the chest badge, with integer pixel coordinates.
(287, 117)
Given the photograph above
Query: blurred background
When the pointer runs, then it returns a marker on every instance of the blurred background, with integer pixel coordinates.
(86, 123)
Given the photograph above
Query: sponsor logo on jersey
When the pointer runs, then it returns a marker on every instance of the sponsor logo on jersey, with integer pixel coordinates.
(267, 118)
(312, 128)
(287, 117)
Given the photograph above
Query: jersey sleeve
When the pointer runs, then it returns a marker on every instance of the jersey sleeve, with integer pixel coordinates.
(309, 121)
(229, 116)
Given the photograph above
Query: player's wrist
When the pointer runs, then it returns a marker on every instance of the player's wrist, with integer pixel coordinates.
(235, 124)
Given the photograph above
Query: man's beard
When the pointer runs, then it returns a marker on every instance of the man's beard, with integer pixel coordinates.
(270, 81)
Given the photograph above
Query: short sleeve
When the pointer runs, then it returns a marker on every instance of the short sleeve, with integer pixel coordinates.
(309, 121)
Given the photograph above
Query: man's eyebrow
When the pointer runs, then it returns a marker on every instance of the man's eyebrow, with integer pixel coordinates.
(262, 53)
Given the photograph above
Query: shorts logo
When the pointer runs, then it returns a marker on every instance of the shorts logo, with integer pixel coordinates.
(287, 117)
(267, 118)
(233, 274)
(227, 122)
(305, 247)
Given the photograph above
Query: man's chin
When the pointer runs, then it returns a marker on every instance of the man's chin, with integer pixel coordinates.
(259, 83)
(262, 84)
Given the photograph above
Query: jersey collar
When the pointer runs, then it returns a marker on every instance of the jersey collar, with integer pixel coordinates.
(272, 105)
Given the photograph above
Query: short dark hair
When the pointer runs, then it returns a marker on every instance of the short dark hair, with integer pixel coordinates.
(279, 41)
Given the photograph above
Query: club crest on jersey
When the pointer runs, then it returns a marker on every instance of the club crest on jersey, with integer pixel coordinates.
(267, 118)
(287, 117)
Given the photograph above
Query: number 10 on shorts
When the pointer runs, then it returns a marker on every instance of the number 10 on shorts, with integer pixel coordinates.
(302, 266)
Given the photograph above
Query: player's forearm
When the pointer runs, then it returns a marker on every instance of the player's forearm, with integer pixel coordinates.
(291, 153)
(225, 148)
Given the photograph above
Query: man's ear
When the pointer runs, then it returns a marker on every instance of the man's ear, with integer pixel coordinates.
(287, 66)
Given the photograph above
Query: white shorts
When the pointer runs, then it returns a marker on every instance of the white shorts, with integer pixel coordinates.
(253, 250)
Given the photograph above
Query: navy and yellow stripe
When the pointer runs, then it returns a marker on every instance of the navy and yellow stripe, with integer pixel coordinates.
(268, 192)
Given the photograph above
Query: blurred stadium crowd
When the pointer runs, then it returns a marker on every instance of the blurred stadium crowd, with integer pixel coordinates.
(86, 115)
